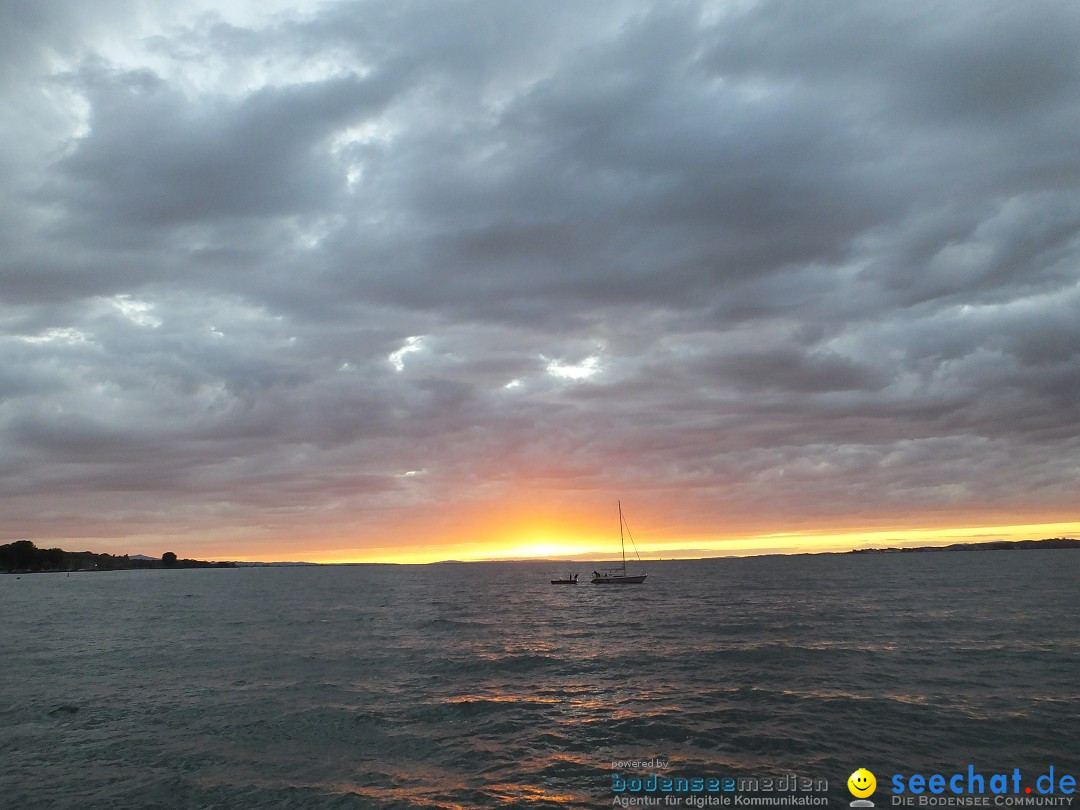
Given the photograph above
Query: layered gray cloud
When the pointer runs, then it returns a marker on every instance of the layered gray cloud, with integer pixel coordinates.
(330, 270)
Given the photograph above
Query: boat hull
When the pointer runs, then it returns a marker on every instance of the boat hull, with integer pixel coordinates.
(564, 582)
(617, 580)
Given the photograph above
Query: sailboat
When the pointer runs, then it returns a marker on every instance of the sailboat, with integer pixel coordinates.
(618, 576)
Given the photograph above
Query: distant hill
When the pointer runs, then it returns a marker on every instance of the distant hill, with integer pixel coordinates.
(993, 545)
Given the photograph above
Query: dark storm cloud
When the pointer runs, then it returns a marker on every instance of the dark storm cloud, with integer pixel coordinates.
(153, 158)
(793, 260)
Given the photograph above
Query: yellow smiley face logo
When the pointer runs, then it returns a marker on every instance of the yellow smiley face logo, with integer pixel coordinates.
(861, 783)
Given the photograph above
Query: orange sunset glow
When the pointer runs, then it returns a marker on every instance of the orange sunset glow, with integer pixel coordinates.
(589, 547)
(530, 537)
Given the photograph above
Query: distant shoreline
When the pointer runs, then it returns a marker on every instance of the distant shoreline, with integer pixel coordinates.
(993, 545)
(23, 557)
(84, 561)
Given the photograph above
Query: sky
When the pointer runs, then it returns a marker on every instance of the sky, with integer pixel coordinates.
(413, 281)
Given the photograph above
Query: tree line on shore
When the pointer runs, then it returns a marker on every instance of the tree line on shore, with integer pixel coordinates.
(23, 556)
(993, 545)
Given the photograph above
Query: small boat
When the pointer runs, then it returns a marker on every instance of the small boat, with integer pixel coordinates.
(570, 580)
(618, 576)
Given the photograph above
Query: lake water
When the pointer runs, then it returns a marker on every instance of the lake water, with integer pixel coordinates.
(482, 685)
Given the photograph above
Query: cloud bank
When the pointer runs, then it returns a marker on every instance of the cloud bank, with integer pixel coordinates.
(344, 276)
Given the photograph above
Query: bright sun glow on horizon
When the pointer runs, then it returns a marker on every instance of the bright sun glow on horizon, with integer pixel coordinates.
(593, 549)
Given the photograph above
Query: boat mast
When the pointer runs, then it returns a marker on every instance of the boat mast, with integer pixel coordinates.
(622, 543)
